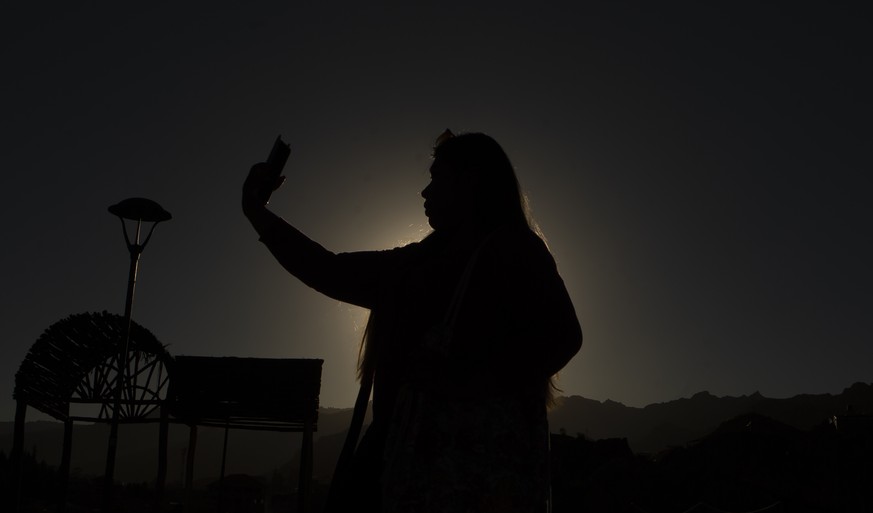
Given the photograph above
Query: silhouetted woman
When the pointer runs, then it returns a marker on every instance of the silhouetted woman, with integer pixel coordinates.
(467, 329)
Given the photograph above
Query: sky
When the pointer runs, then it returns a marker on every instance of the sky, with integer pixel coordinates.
(701, 171)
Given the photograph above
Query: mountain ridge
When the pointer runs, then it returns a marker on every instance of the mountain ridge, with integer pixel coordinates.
(647, 429)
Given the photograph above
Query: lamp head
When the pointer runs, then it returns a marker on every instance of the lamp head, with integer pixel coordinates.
(140, 209)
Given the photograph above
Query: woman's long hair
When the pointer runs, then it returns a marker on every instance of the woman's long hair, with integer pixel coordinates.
(500, 202)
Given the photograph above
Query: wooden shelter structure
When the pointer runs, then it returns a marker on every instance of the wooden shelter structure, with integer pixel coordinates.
(71, 372)
(248, 393)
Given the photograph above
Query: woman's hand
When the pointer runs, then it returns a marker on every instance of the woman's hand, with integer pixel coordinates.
(259, 186)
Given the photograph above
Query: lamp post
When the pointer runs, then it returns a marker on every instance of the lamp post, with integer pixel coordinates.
(139, 210)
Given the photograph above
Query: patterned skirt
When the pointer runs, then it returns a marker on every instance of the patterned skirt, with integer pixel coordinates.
(445, 455)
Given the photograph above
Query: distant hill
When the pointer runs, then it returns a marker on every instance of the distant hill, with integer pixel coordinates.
(675, 423)
(649, 429)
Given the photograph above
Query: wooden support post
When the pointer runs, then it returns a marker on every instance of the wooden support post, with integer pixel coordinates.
(223, 466)
(189, 465)
(163, 440)
(64, 469)
(17, 453)
(304, 482)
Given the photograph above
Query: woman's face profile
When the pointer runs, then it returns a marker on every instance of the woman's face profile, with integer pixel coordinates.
(445, 203)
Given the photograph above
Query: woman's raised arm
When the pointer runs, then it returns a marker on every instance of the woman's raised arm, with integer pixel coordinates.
(348, 277)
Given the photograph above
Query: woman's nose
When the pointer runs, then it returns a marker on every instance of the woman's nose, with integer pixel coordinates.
(425, 192)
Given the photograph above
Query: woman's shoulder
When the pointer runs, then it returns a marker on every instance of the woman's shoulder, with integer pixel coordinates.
(517, 248)
(517, 240)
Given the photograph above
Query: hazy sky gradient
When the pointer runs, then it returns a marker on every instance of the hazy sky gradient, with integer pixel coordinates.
(701, 172)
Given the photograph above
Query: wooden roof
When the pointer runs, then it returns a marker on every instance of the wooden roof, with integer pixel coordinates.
(247, 393)
(61, 360)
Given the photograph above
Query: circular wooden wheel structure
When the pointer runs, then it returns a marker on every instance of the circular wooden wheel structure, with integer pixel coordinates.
(71, 373)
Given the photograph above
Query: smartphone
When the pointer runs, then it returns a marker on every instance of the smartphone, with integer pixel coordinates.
(278, 156)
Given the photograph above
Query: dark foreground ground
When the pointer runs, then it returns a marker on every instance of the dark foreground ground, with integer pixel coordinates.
(750, 463)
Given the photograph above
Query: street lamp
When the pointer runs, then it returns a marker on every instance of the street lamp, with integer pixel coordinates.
(139, 210)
